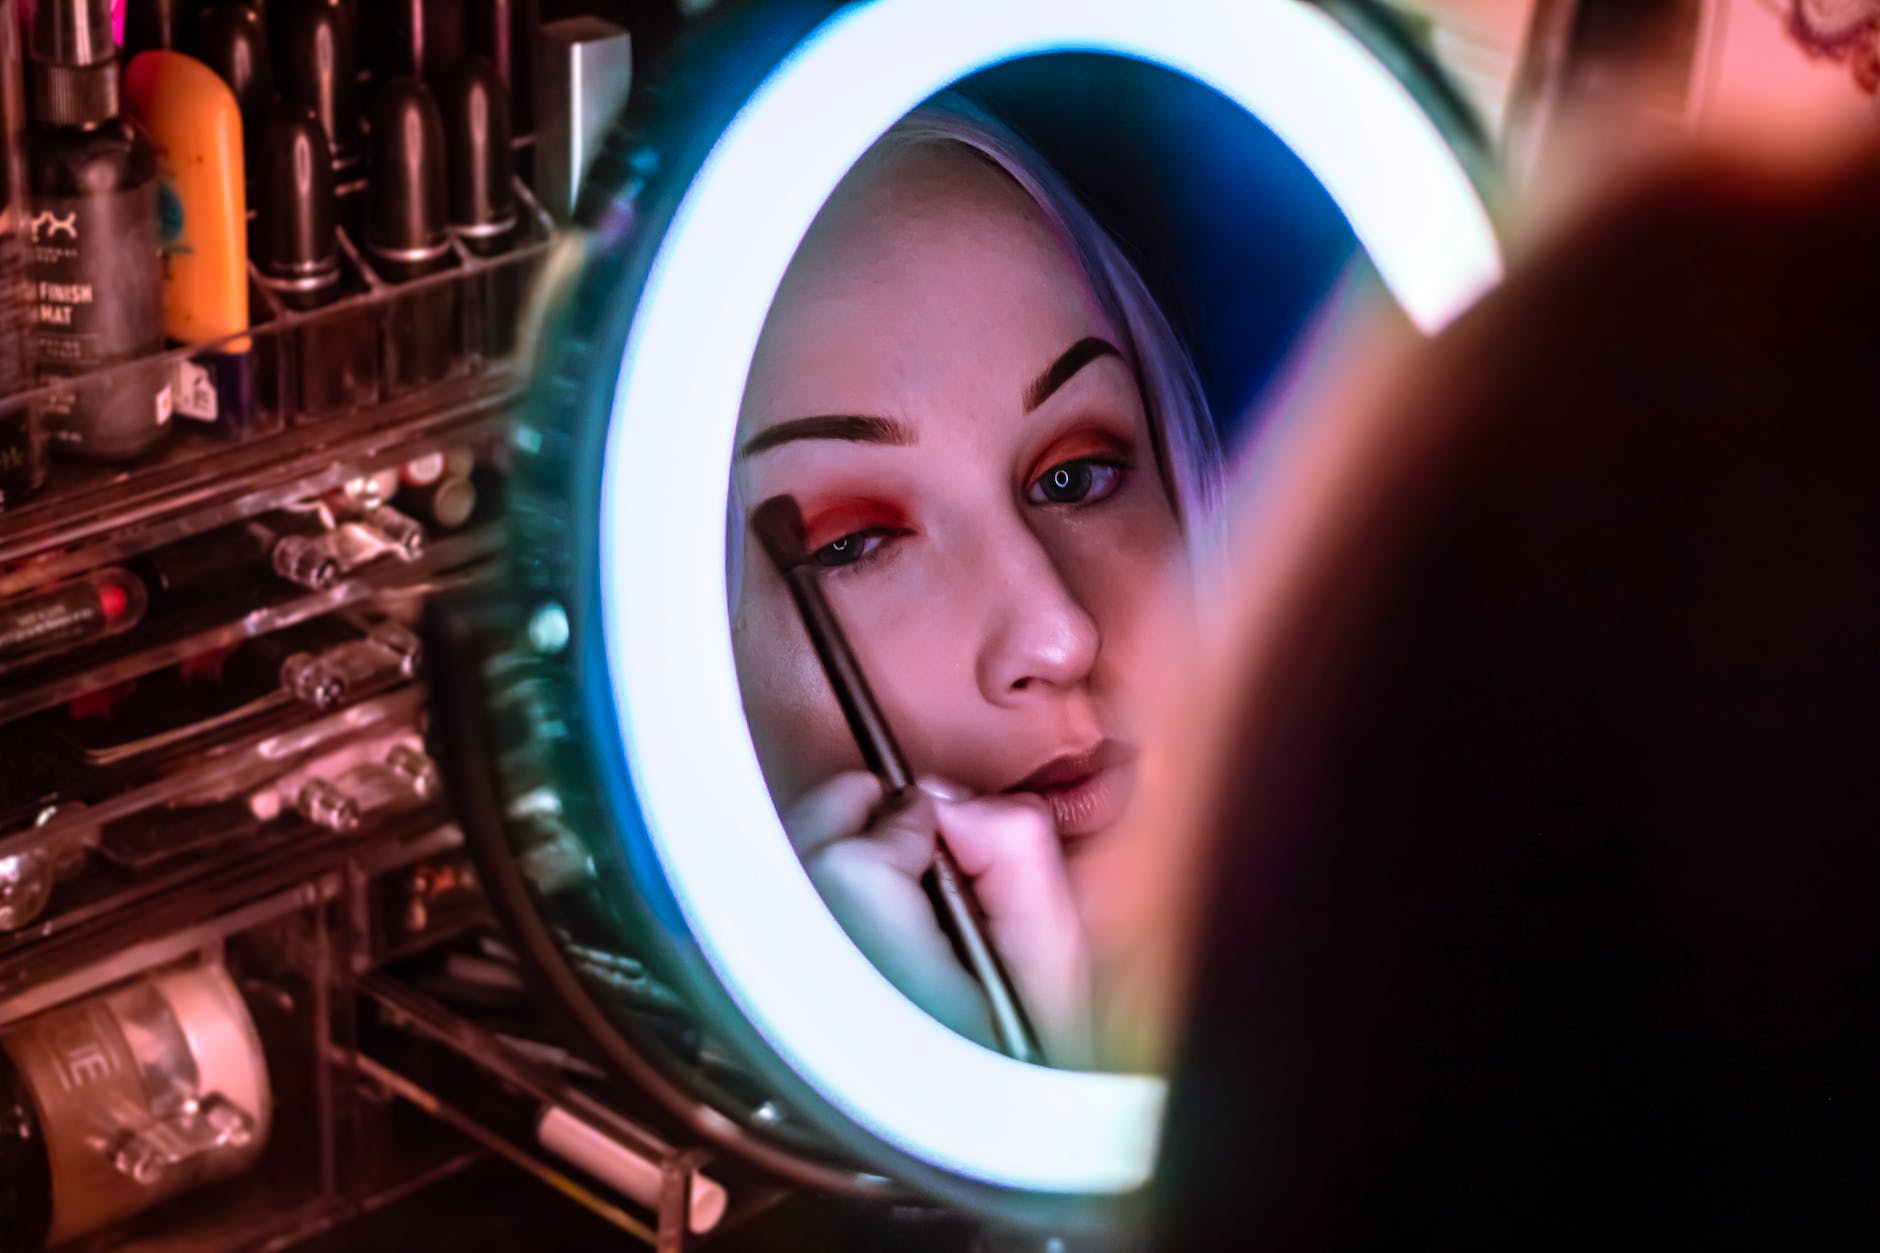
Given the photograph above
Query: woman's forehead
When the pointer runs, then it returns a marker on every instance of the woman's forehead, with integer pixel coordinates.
(929, 261)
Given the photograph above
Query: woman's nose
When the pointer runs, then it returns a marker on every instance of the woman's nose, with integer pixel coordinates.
(1039, 636)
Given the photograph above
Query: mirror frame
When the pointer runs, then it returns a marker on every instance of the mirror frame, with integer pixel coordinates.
(692, 225)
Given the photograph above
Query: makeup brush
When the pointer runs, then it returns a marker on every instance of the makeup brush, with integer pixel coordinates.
(779, 527)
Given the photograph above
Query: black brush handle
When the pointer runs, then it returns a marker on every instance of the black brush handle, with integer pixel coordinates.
(780, 528)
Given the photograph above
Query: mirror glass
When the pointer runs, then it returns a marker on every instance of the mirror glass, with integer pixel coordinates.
(1004, 391)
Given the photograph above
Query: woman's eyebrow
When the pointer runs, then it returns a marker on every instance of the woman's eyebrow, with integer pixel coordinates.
(856, 428)
(1059, 372)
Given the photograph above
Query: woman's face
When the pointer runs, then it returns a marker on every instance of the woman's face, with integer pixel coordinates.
(940, 391)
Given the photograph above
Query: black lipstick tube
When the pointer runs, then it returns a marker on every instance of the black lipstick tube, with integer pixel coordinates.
(483, 198)
(316, 64)
(231, 40)
(407, 234)
(333, 356)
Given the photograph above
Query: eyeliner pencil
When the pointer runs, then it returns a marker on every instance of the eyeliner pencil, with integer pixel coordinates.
(779, 527)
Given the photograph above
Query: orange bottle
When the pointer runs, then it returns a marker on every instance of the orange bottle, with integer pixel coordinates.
(192, 119)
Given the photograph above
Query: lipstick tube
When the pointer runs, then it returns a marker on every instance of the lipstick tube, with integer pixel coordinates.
(407, 233)
(231, 40)
(332, 356)
(483, 199)
(416, 38)
(316, 66)
(506, 32)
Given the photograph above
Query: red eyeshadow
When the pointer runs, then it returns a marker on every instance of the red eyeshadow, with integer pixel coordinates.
(826, 521)
(1075, 446)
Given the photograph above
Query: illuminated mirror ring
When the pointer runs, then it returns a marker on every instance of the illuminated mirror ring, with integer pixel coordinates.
(666, 744)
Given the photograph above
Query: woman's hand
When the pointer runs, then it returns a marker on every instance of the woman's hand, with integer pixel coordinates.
(868, 867)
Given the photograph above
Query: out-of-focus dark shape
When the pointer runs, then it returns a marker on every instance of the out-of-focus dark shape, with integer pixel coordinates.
(1635, 59)
(1546, 907)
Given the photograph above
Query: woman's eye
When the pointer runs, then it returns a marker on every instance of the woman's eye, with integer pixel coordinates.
(850, 549)
(1076, 482)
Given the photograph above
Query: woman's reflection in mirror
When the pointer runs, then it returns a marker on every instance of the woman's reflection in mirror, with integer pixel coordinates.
(1007, 474)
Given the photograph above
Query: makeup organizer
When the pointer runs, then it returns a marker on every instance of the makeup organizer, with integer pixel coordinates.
(250, 989)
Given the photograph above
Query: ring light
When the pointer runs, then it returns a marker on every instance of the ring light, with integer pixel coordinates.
(640, 565)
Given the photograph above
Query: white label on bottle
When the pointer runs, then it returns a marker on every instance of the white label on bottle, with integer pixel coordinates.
(195, 392)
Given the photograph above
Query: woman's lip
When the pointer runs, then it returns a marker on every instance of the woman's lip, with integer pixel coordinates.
(1073, 767)
(1086, 791)
(1088, 804)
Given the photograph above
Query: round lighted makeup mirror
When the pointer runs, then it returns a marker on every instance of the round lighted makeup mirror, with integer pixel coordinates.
(1250, 152)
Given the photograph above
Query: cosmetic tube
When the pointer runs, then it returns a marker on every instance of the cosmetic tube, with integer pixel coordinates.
(96, 261)
(295, 546)
(317, 66)
(587, 65)
(415, 38)
(153, 24)
(625, 1168)
(332, 358)
(507, 32)
(407, 236)
(37, 625)
(231, 40)
(483, 198)
(192, 119)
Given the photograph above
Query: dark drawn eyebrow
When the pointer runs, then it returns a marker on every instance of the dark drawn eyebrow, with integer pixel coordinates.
(1075, 358)
(871, 429)
(855, 428)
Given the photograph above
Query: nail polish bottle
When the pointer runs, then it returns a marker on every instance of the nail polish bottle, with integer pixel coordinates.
(483, 197)
(96, 261)
(317, 67)
(407, 233)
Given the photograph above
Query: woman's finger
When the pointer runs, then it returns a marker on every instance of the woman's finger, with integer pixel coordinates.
(831, 810)
(1009, 847)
